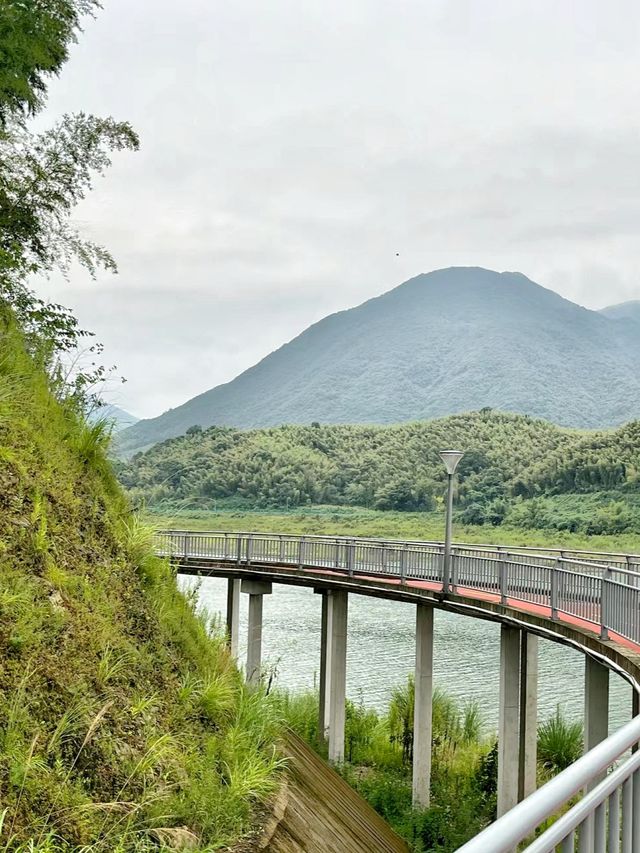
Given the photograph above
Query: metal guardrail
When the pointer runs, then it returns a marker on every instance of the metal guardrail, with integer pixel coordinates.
(611, 558)
(600, 591)
(607, 818)
(600, 594)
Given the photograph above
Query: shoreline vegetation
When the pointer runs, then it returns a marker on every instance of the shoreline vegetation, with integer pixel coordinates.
(355, 521)
(517, 473)
(378, 756)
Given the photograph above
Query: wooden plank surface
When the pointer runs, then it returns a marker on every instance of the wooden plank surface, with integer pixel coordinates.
(317, 812)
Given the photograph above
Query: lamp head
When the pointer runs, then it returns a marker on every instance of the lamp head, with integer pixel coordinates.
(451, 458)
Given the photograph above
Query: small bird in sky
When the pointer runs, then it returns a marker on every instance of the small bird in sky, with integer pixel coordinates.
(397, 254)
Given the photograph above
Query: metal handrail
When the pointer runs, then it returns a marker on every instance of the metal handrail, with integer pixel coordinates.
(603, 595)
(522, 820)
(500, 549)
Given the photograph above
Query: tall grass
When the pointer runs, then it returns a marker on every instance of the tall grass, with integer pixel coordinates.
(560, 743)
(124, 722)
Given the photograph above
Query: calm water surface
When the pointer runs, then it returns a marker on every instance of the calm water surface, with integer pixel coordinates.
(380, 652)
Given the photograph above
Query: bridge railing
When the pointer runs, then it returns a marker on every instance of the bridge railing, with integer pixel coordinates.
(582, 557)
(599, 594)
(607, 818)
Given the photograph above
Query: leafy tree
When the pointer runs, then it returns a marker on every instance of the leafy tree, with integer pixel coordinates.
(35, 36)
(44, 175)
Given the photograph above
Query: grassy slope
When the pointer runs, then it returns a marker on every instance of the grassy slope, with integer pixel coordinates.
(347, 521)
(123, 722)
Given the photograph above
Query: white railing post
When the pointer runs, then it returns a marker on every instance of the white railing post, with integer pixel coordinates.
(555, 577)
(502, 574)
(604, 604)
(454, 570)
(301, 552)
(403, 564)
(351, 556)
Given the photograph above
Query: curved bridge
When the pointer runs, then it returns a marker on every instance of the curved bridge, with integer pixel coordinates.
(588, 600)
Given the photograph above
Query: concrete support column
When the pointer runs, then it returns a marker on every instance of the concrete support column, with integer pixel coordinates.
(233, 615)
(596, 703)
(596, 725)
(255, 591)
(528, 714)
(338, 677)
(422, 711)
(325, 665)
(508, 723)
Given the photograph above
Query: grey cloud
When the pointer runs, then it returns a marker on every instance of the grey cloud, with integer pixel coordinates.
(290, 150)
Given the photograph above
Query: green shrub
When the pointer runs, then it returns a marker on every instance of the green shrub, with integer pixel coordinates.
(560, 743)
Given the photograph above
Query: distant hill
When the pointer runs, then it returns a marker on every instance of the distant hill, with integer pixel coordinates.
(119, 417)
(393, 467)
(516, 470)
(449, 341)
(624, 311)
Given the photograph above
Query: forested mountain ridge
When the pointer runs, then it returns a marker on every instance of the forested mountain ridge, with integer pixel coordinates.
(509, 459)
(389, 466)
(449, 341)
(592, 462)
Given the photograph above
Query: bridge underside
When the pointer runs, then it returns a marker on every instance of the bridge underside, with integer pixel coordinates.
(616, 652)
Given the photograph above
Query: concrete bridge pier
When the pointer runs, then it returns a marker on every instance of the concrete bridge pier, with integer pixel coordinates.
(527, 766)
(596, 703)
(517, 726)
(255, 590)
(422, 710)
(338, 675)
(324, 709)
(233, 615)
(596, 725)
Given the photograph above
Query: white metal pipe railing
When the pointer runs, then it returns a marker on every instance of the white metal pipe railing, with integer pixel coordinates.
(609, 556)
(521, 821)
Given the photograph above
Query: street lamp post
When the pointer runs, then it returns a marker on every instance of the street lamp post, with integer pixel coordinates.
(451, 459)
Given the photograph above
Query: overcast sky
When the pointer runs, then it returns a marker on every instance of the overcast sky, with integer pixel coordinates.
(290, 148)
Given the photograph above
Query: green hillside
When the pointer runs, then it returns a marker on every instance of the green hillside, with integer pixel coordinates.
(395, 467)
(516, 470)
(450, 341)
(595, 462)
(124, 723)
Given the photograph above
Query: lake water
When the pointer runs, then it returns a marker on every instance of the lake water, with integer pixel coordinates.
(381, 648)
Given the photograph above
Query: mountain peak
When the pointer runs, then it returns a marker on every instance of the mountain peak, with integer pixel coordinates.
(443, 342)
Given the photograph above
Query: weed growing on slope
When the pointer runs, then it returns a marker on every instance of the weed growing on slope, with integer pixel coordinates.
(124, 723)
